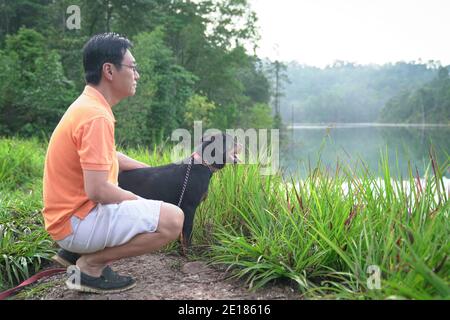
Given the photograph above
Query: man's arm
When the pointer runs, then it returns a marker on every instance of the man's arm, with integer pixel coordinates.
(100, 190)
(126, 163)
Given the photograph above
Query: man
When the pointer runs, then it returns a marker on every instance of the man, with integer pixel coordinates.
(85, 211)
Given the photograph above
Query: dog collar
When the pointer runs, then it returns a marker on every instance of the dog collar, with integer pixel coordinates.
(197, 157)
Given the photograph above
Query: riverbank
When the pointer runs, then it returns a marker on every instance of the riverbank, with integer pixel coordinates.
(165, 276)
(368, 242)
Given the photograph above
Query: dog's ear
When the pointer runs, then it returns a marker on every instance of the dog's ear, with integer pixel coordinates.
(208, 138)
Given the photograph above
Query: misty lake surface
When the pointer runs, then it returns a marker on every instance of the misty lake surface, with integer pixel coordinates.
(351, 143)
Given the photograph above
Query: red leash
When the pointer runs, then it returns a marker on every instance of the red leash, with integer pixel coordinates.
(36, 277)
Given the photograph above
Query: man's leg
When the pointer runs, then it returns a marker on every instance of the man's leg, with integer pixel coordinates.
(169, 228)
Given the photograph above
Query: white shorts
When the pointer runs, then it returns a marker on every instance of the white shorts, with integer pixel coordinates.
(111, 225)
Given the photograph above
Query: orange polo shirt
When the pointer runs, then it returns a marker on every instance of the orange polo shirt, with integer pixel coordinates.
(83, 139)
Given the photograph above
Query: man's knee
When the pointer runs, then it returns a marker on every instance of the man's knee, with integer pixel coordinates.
(171, 220)
(178, 217)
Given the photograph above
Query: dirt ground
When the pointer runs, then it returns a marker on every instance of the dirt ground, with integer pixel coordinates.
(163, 276)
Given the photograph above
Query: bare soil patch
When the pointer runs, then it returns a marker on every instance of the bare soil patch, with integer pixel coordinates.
(166, 276)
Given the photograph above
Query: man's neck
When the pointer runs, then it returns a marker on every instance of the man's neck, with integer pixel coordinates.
(107, 93)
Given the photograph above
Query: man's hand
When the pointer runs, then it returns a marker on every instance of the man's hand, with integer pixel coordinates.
(100, 190)
(127, 163)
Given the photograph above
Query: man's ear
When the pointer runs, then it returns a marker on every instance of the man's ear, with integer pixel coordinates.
(107, 71)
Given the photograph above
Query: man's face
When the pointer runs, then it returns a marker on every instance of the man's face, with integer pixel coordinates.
(125, 81)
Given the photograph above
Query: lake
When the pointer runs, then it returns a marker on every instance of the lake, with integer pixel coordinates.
(303, 143)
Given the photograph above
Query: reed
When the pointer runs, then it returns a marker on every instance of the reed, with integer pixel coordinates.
(322, 233)
(326, 231)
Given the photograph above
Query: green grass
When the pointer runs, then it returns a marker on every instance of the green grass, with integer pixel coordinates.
(310, 231)
(24, 244)
(36, 291)
(324, 239)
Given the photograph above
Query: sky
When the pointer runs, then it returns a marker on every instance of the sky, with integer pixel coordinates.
(318, 32)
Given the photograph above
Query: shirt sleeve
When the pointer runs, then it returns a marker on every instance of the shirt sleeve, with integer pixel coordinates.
(95, 144)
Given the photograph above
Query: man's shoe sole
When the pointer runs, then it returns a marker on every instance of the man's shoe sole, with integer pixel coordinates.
(83, 288)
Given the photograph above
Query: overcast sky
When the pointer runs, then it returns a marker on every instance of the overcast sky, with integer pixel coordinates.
(318, 32)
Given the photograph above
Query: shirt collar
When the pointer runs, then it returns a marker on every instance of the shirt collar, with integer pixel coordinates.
(94, 93)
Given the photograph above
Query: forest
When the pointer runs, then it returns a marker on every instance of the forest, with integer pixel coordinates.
(191, 57)
(401, 92)
(195, 64)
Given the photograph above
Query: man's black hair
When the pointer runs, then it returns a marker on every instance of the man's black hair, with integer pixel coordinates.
(101, 48)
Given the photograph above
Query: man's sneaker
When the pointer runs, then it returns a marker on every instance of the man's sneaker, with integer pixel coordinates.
(108, 282)
(65, 258)
(68, 258)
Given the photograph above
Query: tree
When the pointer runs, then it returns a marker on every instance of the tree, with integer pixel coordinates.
(197, 48)
(163, 90)
(259, 117)
(277, 72)
(198, 108)
(36, 94)
(427, 104)
(21, 13)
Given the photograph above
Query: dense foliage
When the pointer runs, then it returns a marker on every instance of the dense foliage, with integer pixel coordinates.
(346, 92)
(427, 104)
(191, 56)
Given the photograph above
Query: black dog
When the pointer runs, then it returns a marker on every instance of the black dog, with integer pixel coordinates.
(167, 183)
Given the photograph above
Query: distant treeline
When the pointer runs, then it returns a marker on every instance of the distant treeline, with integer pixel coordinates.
(192, 64)
(345, 92)
(428, 104)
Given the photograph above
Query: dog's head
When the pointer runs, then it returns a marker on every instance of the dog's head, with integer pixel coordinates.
(219, 149)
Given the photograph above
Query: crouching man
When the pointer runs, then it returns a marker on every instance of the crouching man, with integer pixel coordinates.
(92, 219)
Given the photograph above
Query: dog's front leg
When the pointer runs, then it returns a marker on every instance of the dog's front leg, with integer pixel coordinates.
(186, 236)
